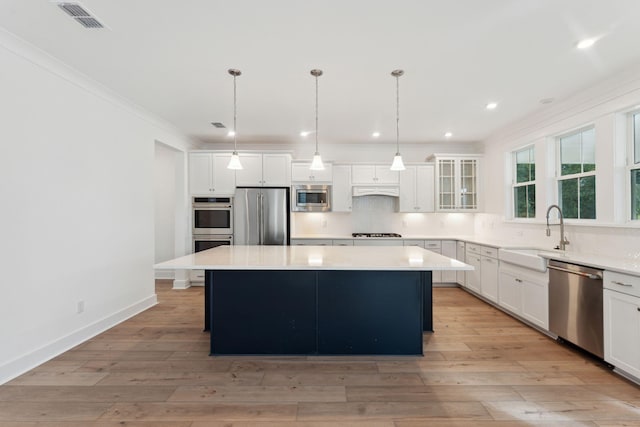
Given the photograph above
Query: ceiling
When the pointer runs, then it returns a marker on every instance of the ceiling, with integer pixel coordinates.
(171, 58)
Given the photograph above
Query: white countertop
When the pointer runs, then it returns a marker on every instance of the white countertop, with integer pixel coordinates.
(381, 258)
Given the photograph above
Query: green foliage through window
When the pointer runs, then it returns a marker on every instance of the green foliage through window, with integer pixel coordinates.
(524, 190)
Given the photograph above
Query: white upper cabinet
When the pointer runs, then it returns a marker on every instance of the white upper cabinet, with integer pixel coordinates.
(264, 170)
(373, 174)
(341, 190)
(208, 174)
(457, 182)
(301, 173)
(417, 189)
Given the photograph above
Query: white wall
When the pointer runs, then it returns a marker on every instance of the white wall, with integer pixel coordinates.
(77, 220)
(603, 106)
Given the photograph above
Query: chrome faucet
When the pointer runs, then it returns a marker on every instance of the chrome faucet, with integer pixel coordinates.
(563, 239)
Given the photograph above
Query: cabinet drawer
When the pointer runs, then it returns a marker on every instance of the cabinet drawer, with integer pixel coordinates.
(473, 248)
(623, 283)
(490, 252)
(432, 244)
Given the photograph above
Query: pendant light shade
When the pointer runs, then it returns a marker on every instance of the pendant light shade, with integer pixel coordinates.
(398, 164)
(316, 163)
(234, 162)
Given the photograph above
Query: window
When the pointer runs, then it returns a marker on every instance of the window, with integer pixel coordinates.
(577, 174)
(635, 167)
(524, 186)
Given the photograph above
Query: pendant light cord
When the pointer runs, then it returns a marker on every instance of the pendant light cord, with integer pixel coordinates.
(316, 114)
(235, 127)
(397, 114)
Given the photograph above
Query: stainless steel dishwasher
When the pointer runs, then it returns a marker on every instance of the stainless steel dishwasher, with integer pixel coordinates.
(575, 305)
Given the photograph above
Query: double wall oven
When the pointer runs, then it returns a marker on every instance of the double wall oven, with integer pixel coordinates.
(212, 225)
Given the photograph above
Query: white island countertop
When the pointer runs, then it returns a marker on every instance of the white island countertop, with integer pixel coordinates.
(381, 258)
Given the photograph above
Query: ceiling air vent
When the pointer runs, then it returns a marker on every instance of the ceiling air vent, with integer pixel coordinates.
(81, 15)
(218, 125)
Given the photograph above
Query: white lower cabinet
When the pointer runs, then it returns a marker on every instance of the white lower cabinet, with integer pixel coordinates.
(460, 256)
(377, 242)
(525, 293)
(622, 322)
(448, 248)
(311, 242)
(489, 273)
(473, 278)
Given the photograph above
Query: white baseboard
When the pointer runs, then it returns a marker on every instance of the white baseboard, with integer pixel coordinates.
(19, 366)
(165, 274)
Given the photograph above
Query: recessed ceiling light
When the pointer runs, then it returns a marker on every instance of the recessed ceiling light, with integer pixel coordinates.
(448, 135)
(375, 134)
(585, 44)
(304, 133)
(231, 133)
(491, 106)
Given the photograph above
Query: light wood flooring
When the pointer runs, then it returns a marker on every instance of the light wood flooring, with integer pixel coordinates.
(481, 368)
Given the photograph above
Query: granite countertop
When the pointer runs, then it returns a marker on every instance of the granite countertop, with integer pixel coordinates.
(389, 258)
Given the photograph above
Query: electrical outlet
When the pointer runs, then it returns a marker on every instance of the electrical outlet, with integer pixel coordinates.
(80, 306)
(324, 223)
(404, 223)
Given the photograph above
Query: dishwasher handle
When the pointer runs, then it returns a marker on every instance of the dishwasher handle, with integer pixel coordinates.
(579, 273)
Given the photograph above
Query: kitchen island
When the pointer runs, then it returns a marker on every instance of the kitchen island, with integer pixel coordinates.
(317, 299)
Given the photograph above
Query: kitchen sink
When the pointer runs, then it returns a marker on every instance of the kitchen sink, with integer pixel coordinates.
(524, 257)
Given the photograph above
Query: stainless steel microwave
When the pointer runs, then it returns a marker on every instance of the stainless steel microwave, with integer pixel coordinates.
(311, 198)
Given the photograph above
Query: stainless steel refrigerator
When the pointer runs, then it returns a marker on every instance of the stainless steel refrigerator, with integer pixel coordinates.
(261, 216)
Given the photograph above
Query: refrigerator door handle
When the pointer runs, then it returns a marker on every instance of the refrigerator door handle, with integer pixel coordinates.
(261, 218)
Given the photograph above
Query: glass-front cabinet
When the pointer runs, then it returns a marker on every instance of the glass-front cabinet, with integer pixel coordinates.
(457, 182)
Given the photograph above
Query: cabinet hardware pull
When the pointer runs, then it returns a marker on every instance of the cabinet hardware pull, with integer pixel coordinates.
(519, 280)
(577, 273)
(615, 282)
(638, 308)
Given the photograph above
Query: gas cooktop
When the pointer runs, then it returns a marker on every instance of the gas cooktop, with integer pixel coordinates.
(375, 235)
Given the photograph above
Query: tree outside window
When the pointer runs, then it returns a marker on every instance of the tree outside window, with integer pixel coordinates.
(577, 180)
(635, 167)
(524, 187)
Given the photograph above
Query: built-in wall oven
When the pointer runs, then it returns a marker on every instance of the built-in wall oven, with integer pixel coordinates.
(212, 215)
(202, 243)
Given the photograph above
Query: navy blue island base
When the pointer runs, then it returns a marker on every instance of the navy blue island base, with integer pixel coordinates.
(317, 312)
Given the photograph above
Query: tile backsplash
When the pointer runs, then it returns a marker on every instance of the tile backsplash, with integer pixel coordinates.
(378, 214)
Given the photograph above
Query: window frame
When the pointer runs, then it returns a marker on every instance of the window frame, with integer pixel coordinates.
(581, 175)
(515, 184)
(631, 165)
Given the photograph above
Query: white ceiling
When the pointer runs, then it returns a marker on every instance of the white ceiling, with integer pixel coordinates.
(171, 58)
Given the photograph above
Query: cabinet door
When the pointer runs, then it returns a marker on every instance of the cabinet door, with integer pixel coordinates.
(408, 201)
(300, 172)
(342, 242)
(341, 190)
(363, 174)
(200, 173)
(473, 277)
(276, 170)
(384, 175)
(377, 242)
(449, 250)
(425, 191)
(535, 302)
(311, 242)
(510, 292)
(489, 278)
(460, 256)
(622, 331)
(468, 185)
(224, 179)
(251, 174)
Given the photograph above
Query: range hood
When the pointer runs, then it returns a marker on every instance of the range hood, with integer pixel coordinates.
(376, 191)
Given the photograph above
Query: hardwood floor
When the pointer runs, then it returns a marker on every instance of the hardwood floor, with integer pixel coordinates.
(481, 368)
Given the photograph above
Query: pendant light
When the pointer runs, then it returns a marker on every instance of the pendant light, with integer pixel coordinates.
(316, 163)
(398, 164)
(234, 163)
